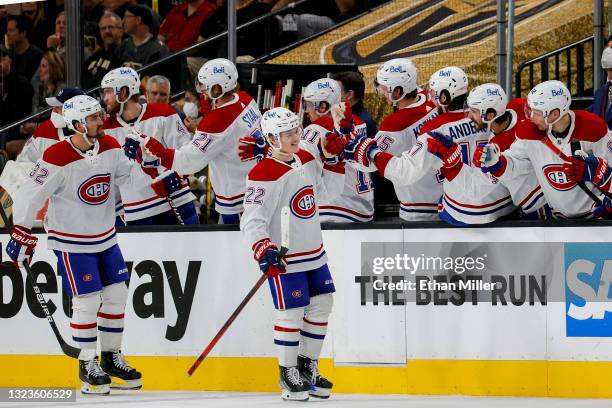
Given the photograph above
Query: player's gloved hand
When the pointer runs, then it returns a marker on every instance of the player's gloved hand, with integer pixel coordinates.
(342, 114)
(585, 167)
(604, 210)
(333, 143)
(489, 159)
(268, 257)
(20, 247)
(131, 148)
(445, 149)
(167, 183)
(361, 150)
(253, 146)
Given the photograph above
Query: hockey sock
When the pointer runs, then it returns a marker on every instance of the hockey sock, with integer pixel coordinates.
(287, 335)
(110, 316)
(315, 325)
(83, 323)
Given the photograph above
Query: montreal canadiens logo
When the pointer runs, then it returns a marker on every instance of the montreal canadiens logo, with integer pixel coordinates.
(557, 178)
(95, 190)
(303, 203)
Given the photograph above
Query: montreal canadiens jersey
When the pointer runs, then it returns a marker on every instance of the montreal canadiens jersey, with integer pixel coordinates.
(473, 197)
(530, 155)
(398, 134)
(216, 143)
(273, 184)
(356, 201)
(45, 135)
(79, 186)
(161, 122)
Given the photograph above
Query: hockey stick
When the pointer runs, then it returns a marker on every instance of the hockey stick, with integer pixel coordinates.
(70, 351)
(581, 184)
(285, 220)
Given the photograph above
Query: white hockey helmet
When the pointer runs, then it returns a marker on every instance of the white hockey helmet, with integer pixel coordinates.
(78, 109)
(606, 58)
(450, 79)
(397, 72)
(218, 71)
(488, 97)
(276, 121)
(548, 96)
(118, 78)
(323, 90)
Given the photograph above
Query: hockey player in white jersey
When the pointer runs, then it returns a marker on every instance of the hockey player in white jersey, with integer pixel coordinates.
(234, 114)
(471, 197)
(149, 204)
(50, 131)
(396, 82)
(78, 176)
(567, 151)
(301, 284)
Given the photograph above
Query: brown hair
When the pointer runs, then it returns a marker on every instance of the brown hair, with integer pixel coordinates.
(56, 66)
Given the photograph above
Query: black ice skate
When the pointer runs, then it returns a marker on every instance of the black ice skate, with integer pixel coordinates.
(320, 387)
(114, 364)
(294, 387)
(93, 379)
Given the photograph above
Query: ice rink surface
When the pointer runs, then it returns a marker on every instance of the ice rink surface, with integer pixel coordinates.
(171, 399)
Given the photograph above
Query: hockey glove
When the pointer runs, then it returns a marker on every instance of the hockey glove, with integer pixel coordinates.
(445, 149)
(342, 114)
(334, 143)
(20, 248)
(253, 147)
(583, 167)
(361, 150)
(604, 210)
(267, 255)
(131, 147)
(167, 184)
(489, 159)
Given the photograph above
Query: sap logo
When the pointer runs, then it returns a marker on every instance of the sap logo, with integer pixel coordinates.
(445, 73)
(558, 92)
(125, 71)
(250, 118)
(95, 190)
(218, 70)
(323, 85)
(588, 290)
(493, 92)
(303, 203)
(68, 105)
(557, 178)
(397, 69)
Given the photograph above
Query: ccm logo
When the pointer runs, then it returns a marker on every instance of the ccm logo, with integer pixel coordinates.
(303, 203)
(557, 178)
(95, 190)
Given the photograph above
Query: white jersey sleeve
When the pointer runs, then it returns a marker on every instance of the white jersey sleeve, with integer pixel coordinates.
(412, 165)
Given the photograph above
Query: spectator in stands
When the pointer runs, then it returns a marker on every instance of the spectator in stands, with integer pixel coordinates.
(316, 16)
(158, 91)
(41, 27)
(120, 6)
(106, 58)
(49, 79)
(141, 48)
(93, 10)
(26, 57)
(602, 102)
(15, 102)
(251, 40)
(353, 90)
(180, 28)
(57, 40)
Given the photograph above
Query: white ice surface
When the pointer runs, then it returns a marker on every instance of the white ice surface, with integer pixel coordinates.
(175, 399)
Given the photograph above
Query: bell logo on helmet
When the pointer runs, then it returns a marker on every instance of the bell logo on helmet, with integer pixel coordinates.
(218, 70)
(445, 73)
(493, 92)
(558, 92)
(95, 190)
(125, 71)
(323, 85)
(303, 203)
(396, 69)
(68, 105)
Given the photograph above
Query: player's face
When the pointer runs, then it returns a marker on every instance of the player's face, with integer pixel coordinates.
(95, 124)
(290, 140)
(311, 111)
(536, 117)
(474, 115)
(110, 100)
